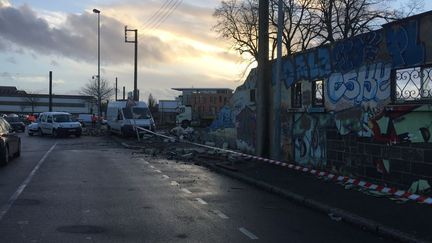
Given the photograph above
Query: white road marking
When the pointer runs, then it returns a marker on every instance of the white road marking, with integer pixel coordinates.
(21, 188)
(158, 171)
(186, 190)
(165, 176)
(248, 233)
(201, 201)
(220, 214)
(174, 183)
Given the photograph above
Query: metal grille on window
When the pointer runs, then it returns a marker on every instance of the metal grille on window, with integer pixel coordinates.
(413, 84)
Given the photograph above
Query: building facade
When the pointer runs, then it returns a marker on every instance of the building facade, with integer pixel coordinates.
(167, 112)
(16, 101)
(361, 106)
(205, 102)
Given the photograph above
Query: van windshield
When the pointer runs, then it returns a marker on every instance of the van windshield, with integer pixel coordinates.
(136, 113)
(62, 118)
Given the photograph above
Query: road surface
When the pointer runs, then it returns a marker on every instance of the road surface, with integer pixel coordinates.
(91, 189)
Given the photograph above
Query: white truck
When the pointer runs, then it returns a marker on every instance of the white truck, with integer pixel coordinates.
(122, 116)
(184, 115)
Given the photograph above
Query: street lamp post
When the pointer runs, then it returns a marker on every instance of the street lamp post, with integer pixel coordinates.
(96, 11)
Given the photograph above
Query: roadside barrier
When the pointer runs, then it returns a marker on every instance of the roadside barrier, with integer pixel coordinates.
(391, 191)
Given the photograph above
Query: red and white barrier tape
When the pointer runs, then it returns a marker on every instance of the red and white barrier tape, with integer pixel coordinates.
(324, 174)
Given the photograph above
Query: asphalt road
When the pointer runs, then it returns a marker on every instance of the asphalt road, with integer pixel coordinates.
(92, 190)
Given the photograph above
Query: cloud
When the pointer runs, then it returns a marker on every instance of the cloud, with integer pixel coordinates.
(11, 60)
(54, 63)
(77, 37)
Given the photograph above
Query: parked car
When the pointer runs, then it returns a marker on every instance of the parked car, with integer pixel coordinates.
(85, 119)
(16, 123)
(33, 128)
(10, 143)
(59, 124)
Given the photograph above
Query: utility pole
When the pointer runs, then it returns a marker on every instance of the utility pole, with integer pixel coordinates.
(50, 92)
(135, 91)
(263, 83)
(96, 11)
(124, 92)
(116, 90)
(277, 100)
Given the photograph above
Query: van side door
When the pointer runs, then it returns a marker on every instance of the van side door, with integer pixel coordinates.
(49, 123)
(43, 122)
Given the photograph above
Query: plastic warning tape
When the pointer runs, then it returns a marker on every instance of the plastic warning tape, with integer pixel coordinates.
(322, 174)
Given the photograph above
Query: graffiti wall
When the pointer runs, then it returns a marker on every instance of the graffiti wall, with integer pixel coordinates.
(359, 84)
(359, 120)
(310, 138)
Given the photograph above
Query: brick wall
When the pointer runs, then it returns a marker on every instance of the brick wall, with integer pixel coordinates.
(395, 165)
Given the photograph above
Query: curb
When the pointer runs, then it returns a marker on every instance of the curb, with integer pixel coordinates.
(353, 219)
(350, 218)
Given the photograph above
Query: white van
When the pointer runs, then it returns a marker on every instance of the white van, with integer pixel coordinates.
(122, 116)
(58, 123)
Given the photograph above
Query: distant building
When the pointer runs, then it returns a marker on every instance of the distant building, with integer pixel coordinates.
(13, 100)
(205, 102)
(167, 111)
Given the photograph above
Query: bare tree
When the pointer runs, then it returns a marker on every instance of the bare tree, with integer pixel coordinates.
(297, 33)
(91, 89)
(307, 23)
(341, 19)
(31, 98)
(237, 21)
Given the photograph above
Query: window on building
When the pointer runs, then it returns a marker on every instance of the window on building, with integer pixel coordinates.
(220, 99)
(252, 95)
(296, 94)
(318, 93)
(413, 84)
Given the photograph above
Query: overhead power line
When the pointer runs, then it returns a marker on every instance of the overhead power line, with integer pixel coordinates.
(162, 14)
(156, 14)
(168, 13)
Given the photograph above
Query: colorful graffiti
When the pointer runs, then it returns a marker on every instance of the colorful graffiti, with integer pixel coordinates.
(309, 65)
(310, 139)
(357, 79)
(397, 44)
(398, 124)
(403, 44)
(246, 126)
(370, 83)
(355, 52)
(223, 120)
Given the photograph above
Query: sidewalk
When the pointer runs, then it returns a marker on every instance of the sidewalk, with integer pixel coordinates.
(409, 217)
(406, 216)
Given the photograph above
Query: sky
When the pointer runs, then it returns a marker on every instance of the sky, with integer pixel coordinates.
(38, 36)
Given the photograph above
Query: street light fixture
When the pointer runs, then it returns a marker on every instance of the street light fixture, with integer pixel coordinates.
(96, 11)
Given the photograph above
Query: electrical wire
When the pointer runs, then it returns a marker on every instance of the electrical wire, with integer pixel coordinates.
(177, 4)
(156, 15)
